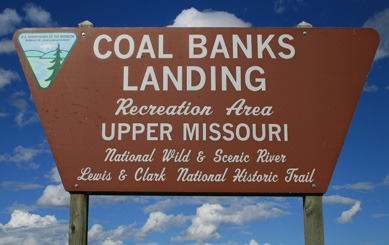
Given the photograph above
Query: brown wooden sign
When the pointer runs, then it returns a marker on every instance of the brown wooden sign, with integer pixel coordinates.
(196, 110)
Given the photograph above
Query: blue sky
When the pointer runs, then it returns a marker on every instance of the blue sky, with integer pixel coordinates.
(35, 208)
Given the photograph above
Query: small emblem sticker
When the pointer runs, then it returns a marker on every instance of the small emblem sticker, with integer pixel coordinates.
(46, 52)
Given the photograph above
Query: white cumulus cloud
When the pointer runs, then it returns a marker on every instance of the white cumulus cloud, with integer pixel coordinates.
(160, 222)
(205, 224)
(54, 175)
(253, 242)
(37, 16)
(336, 199)
(279, 6)
(209, 217)
(380, 22)
(208, 18)
(378, 216)
(17, 185)
(33, 229)
(370, 88)
(6, 46)
(24, 116)
(283, 6)
(386, 180)
(362, 186)
(7, 76)
(54, 196)
(24, 156)
(9, 19)
(97, 235)
(347, 215)
(20, 218)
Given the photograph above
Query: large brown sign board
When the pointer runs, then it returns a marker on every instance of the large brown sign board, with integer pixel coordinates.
(196, 110)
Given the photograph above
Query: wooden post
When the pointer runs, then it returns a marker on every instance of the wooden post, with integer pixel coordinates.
(313, 220)
(78, 223)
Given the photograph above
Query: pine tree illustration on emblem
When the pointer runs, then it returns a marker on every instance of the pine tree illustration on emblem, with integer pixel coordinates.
(56, 64)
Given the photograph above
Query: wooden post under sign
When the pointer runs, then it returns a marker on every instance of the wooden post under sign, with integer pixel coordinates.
(78, 223)
(313, 220)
